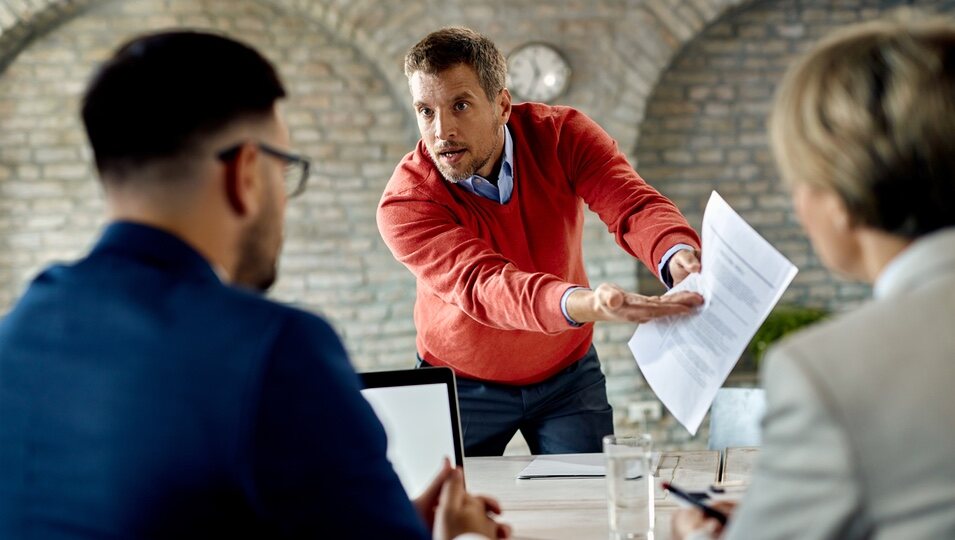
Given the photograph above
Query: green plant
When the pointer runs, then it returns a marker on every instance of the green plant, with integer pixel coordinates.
(783, 320)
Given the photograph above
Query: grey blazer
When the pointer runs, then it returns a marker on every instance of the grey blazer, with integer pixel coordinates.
(859, 432)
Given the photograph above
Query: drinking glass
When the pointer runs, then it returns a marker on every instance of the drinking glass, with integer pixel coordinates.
(629, 486)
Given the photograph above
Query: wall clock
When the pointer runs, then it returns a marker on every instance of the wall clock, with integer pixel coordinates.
(537, 72)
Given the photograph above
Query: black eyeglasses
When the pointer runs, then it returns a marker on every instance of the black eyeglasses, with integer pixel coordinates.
(296, 167)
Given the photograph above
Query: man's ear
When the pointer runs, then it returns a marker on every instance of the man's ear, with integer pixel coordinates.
(241, 179)
(504, 101)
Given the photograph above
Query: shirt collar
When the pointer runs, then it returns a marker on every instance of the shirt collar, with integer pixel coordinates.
(505, 179)
(507, 168)
(926, 258)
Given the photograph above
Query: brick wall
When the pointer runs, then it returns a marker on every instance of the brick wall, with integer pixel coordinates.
(699, 127)
(705, 129)
(342, 115)
(705, 125)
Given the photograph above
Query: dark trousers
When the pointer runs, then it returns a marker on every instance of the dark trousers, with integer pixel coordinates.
(567, 413)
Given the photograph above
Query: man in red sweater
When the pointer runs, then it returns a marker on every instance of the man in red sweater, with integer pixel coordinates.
(487, 213)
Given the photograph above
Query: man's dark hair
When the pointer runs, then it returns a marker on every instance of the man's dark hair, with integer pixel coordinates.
(448, 47)
(162, 92)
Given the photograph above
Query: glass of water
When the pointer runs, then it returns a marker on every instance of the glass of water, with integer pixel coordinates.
(629, 486)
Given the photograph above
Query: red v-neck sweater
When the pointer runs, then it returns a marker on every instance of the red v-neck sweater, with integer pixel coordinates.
(490, 276)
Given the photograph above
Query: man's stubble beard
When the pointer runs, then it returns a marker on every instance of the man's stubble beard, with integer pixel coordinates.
(257, 267)
(474, 166)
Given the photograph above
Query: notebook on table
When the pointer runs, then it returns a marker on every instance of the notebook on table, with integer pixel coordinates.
(576, 466)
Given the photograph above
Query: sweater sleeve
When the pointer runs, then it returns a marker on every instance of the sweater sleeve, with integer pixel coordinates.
(466, 271)
(643, 222)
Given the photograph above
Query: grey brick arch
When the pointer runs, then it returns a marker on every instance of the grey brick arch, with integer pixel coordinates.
(705, 126)
(619, 47)
(21, 22)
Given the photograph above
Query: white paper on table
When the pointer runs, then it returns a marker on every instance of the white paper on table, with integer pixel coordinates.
(576, 466)
(686, 359)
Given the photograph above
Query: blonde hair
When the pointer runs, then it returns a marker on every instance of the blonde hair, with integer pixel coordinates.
(870, 114)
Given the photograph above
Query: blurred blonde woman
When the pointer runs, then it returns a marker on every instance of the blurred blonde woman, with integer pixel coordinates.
(859, 434)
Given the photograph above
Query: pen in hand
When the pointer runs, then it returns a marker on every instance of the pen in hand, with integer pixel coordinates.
(708, 510)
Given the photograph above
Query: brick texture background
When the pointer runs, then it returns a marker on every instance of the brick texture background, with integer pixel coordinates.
(705, 126)
(683, 85)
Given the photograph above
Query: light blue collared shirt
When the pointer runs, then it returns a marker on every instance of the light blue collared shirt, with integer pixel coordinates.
(501, 193)
(662, 269)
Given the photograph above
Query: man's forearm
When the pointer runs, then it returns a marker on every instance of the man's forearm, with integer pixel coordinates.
(580, 306)
(608, 302)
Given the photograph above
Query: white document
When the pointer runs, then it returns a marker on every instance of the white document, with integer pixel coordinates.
(576, 466)
(686, 359)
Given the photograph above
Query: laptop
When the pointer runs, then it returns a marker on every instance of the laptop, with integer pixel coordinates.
(419, 410)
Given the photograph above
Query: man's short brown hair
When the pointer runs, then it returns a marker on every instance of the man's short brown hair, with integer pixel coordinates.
(448, 47)
(869, 113)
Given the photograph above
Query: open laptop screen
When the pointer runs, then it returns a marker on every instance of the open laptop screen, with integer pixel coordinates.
(419, 410)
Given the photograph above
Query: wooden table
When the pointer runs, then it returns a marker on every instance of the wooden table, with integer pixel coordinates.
(738, 464)
(576, 508)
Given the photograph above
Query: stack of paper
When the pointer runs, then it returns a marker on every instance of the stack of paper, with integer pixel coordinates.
(686, 359)
(575, 466)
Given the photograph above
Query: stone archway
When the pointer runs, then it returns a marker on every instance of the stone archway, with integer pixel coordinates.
(642, 39)
(705, 126)
(638, 39)
(21, 23)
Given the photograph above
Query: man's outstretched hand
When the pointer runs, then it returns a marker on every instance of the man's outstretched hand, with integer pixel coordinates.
(609, 302)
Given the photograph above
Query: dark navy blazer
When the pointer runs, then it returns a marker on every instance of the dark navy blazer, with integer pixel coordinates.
(140, 397)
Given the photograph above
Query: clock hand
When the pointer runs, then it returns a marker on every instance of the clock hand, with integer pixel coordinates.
(535, 85)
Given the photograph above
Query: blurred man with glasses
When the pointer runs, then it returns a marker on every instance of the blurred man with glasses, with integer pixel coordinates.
(148, 390)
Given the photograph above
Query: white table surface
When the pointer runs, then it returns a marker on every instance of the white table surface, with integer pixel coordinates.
(576, 508)
(738, 464)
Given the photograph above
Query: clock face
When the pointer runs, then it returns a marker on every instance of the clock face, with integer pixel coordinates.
(537, 72)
